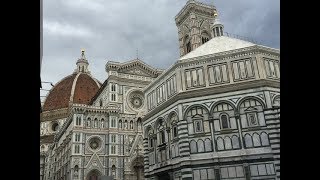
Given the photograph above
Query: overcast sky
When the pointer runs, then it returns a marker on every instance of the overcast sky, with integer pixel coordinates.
(114, 30)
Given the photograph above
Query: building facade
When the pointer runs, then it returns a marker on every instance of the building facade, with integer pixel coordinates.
(213, 114)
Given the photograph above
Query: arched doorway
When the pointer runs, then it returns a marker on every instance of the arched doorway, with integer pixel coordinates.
(93, 175)
(138, 169)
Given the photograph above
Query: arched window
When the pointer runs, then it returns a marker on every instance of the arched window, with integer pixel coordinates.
(125, 124)
(224, 119)
(95, 123)
(131, 124)
(204, 37)
(220, 144)
(78, 121)
(88, 122)
(208, 145)
(113, 97)
(113, 171)
(113, 87)
(227, 143)
(248, 141)
(193, 146)
(200, 145)
(235, 142)
(161, 132)
(264, 139)
(174, 129)
(101, 103)
(187, 44)
(139, 124)
(76, 171)
(113, 122)
(102, 123)
(120, 124)
(256, 140)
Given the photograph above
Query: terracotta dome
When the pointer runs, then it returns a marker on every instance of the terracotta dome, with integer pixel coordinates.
(79, 87)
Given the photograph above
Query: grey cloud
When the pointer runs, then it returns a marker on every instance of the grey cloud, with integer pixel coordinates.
(121, 27)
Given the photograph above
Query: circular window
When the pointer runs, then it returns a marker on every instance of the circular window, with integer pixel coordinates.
(55, 127)
(95, 143)
(136, 99)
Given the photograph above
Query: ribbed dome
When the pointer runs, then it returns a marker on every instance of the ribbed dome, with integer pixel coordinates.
(76, 88)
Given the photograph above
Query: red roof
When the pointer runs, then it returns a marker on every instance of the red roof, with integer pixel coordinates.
(59, 96)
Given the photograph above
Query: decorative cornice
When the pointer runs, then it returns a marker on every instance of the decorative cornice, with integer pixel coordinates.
(216, 57)
(213, 90)
(54, 114)
(196, 7)
(117, 66)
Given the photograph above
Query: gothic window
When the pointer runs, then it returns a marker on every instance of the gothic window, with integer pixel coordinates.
(113, 97)
(150, 142)
(224, 119)
(175, 131)
(76, 171)
(102, 123)
(162, 137)
(113, 149)
(113, 88)
(256, 140)
(264, 139)
(125, 124)
(113, 170)
(208, 145)
(100, 103)
(131, 124)
(77, 149)
(161, 131)
(139, 124)
(187, 44)
(113, 138)
(220, 143)
(248, 141)
(88, 122)
(205, 37)
(95, 123)
(193, 146)
(235, 142)
(227, 143)
(78, 121)
(200, 145)
(120, 124)
(174, 120)
(113, 122)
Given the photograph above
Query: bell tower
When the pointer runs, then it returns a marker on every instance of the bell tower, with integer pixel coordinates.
(195, 22)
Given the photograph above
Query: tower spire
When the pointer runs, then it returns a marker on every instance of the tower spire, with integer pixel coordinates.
(82, 63)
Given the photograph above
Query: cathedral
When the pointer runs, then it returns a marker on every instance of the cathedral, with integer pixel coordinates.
(213, 114)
